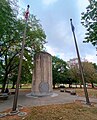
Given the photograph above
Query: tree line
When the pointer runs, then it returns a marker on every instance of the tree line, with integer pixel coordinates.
(63, 74)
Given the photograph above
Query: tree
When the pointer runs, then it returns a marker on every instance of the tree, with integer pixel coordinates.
(26, 75)
(11, 39)
(89, 73)
(95, 66)
(89, 21)
(59, 70)
(7, 28)
(74, 75)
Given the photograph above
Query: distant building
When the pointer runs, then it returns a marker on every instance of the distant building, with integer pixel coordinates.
(74, 62)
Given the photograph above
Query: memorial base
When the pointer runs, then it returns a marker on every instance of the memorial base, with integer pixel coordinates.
(39, 94)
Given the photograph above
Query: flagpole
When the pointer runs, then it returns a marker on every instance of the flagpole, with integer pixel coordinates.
(20, 64)
(80, 65)
(89, 1)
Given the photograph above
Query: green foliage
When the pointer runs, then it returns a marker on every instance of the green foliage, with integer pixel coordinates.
(74, 75)
(59, 70)
(89, 21)
(95, 66)
(11, 36)
(7, 20)
(90, 73)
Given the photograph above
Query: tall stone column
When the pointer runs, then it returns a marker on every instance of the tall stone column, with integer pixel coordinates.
(42, 75)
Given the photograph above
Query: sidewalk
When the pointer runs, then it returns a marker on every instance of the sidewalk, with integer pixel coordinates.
(57, 98)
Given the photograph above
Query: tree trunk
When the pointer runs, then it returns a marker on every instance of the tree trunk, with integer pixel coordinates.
(4, 83)
(13, 85)
(53, 86)
(76, 85)
(70, 86)
(80, 85)
(92, 85)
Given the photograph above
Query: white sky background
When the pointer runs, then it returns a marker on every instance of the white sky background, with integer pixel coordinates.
(54, 15)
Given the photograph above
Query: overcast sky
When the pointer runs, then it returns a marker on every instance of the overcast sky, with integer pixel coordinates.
(54, 15)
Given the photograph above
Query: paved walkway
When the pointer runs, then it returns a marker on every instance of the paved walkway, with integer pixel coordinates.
(57, 98)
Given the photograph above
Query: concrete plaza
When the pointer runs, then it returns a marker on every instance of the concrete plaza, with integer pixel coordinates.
(56, 98)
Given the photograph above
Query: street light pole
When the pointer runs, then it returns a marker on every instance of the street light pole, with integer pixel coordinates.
(80, 65)
(20, 64)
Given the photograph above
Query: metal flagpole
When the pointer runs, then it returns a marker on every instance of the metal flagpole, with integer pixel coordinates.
(20, 64)
(89, 1)
(80, 66)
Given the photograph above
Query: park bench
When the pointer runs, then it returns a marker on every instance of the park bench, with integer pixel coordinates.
(12, 93)
(72, 92)
(68, 91)
(62, 88)
(3, 96)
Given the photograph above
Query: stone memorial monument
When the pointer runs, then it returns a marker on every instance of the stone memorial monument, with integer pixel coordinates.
(42, 75)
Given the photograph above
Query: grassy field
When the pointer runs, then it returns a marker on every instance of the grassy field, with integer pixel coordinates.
(73, 111)
(23, 86)
(91, 92)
